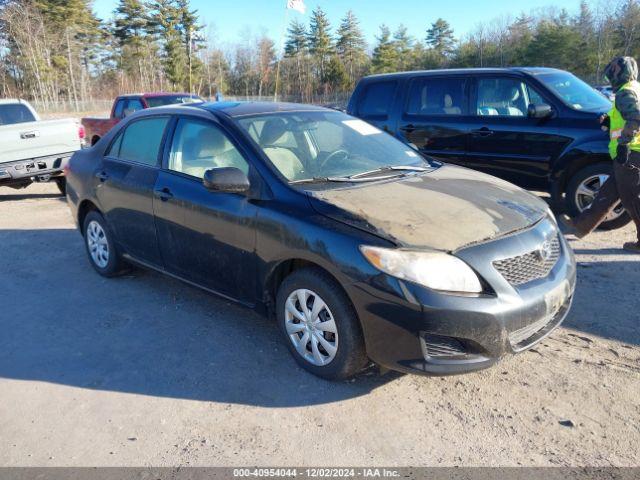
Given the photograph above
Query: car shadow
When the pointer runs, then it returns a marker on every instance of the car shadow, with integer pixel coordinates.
(143, 333)
(148, 334)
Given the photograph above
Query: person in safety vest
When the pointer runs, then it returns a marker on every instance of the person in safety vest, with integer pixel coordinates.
(623, 122)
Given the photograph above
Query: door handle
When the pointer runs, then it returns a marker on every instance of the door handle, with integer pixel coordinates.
(482, 132)
(408, 128)
(163, 194)
(102, 176)
(28, 135)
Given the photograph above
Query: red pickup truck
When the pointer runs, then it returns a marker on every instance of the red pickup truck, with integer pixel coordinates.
(125, 105)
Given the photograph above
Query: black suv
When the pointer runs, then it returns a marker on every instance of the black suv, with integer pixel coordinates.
(535, 127)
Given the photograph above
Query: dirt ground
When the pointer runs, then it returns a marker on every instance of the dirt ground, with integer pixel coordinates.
(146, 371)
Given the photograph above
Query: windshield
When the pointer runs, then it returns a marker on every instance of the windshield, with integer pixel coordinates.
(574, 92)
(326, 145)
(171, 100)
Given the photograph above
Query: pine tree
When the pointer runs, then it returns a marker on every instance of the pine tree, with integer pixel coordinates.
(131, 29)
(321, 44)
(190, 28)
(297, 41)
(336, 75)
(165, 21)
(385, 55)
(403, 43)
(351, 46)
(440, 37)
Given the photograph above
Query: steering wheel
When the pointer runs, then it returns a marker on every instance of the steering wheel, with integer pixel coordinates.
(338, 154)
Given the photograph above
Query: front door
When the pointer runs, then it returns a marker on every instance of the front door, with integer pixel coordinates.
(124, 187)
(434, 117)
(205, 237)
(503, 140)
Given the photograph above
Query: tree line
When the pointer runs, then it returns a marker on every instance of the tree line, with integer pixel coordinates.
(53, 50)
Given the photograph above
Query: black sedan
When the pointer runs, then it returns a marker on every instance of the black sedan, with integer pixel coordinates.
(362, 249)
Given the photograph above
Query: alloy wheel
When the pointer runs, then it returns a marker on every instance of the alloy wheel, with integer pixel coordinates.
(311, 327)
(587, 191)
(97, 243)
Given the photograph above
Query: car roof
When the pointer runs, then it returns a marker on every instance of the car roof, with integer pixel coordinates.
(7, 101)
(157, 94)
(230, 109)
(241, 109)
(465, 71)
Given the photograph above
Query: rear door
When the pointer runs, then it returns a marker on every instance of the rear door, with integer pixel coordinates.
(435, 116)
(124, 186)
(506, 142)
(205, 237)
(375, 103)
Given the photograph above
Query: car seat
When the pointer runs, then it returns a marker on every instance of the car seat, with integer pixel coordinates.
(449, 109)
(514, 98)
(284, 159)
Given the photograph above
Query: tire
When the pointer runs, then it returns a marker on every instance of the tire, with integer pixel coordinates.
(573, 204)
(61, 182)
(350, 356)
(112, 264)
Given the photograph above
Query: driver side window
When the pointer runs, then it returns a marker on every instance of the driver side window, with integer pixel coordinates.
(199, 146)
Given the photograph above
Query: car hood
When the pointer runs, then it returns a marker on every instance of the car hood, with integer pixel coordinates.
(446, 209)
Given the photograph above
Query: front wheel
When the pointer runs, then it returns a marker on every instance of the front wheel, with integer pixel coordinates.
(583, 188)
(319, 325)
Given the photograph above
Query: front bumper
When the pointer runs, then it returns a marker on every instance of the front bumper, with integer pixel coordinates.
(41, 168)
(410, 328)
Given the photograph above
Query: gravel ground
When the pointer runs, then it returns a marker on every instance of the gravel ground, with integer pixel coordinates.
(146, 371)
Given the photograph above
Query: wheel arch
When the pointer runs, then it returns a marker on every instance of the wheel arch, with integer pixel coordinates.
(84, 208)
(568, 166)
(284, 268)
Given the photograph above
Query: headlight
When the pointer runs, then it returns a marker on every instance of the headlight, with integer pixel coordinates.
(435, 270)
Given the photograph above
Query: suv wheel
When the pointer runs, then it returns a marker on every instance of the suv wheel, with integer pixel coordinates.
(101, 248)
(319, 325)
(582, 189)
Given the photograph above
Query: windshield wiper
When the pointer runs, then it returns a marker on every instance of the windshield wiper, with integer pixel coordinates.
(358, 177)
(390, 168)
(320, 180)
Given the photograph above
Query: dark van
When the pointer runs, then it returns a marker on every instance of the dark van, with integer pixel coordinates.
(535, 127)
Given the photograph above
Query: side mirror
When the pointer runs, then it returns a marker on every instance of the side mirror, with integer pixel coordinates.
(226, 179)
(539, 111)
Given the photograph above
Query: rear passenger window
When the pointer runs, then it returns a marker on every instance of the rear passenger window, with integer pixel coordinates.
(119, 110)
(141, 140)
(114, 149)
(377, 99)
(437, 96)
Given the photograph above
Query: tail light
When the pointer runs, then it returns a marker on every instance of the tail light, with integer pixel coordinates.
(81, 132)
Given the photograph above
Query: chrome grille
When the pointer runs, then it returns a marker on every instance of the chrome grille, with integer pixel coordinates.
(530, 266)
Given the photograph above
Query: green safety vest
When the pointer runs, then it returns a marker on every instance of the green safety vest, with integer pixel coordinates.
(617, 124)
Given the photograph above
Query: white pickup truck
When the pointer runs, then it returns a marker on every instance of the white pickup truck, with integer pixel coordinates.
(34, 150)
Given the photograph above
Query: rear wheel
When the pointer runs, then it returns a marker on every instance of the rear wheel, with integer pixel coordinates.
(319, 325)
(101, 248)
(583, 188)
(61, 182)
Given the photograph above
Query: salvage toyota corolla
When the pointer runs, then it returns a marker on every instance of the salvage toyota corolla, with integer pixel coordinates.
(361, 248)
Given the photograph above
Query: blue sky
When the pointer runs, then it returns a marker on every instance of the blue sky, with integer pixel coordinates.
(232, 19)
